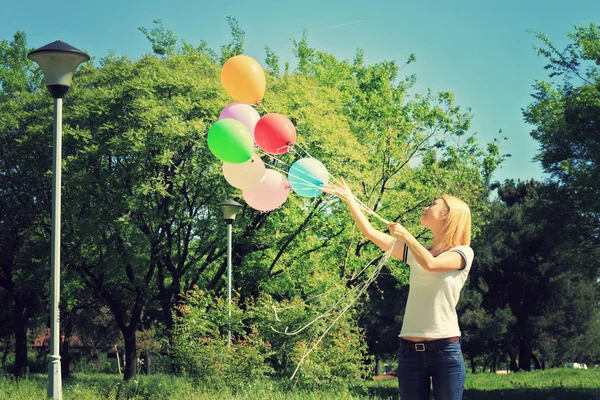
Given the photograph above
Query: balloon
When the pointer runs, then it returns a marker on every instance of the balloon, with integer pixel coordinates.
(244, 79)
(275, 134)
(306, 176)
(244, 113)
(230, 141)
(245, 175)
(270, 194)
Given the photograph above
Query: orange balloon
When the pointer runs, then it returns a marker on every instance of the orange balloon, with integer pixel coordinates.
(244, 79)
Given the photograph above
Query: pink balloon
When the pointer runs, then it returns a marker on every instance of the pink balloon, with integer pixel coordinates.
(244, 113)
(270, 194)
(245, 175)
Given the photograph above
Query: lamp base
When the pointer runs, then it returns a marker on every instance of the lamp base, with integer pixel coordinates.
(58, 91)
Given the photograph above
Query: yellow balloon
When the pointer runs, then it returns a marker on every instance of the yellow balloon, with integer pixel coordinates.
(244, 79)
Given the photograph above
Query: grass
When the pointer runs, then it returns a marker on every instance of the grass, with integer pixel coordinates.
(555, 384)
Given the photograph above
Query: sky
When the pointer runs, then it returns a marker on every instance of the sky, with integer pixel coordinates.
(478, 49)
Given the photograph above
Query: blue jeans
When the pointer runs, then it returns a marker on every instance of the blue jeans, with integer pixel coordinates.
(443, 368)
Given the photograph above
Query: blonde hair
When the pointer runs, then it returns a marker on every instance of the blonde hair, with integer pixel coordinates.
(457, 229)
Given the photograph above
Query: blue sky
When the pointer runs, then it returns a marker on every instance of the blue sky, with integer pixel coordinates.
(478, 49)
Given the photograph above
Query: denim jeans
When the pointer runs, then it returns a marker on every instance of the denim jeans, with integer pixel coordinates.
(444, 369)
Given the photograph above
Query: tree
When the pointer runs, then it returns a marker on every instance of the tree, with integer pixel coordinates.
(566, 116)
(390, 134)
(531, 257)
(236, 44)
(141, 185)
(163, 40)
(25, 159)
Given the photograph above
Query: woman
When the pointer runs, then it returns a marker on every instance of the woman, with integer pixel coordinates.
(430, 353)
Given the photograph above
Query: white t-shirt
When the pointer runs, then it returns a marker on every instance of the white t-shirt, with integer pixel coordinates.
(432, 297)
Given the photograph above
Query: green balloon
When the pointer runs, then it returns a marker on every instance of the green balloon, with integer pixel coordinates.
(230, 141)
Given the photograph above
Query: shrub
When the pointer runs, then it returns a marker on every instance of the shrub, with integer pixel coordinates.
(200, 347)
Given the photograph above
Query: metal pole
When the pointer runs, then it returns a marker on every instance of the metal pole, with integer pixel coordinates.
(54, 372)
(229, 279)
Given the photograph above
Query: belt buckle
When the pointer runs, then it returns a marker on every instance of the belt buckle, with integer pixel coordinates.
(417, 348)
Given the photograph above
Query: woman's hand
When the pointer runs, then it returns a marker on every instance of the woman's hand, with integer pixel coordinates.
(398, 231)
(342, 191)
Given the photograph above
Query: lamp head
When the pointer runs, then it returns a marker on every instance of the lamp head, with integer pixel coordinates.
(58, 61)
(229, 208)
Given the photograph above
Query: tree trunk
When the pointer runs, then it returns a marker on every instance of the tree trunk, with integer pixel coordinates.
(473, 365)
(130, 354)
(128, 330)
(65, 356)
(5, 352)
(20, 332)
(166, 294)
(525, 352)
(536, 362)
(377, 365)
(514, 367)
(146, 363)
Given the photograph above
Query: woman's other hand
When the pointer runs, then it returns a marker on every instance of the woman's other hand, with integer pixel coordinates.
(398, 231)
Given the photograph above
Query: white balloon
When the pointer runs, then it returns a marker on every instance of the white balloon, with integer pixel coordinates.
(245, 175)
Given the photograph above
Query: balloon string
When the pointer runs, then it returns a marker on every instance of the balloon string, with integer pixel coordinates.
(366, 208)
(309, 299)
(272, 157)
(360, 203)
(263, 107)
(363, 288)
(305, 182)
(304, 151)
(329, 310)
(373, 213)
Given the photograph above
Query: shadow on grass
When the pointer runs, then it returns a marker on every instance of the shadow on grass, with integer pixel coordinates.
(505, 394)
(533, 394)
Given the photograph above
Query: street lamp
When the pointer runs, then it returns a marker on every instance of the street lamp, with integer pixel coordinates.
(229, 209)
(58, 61)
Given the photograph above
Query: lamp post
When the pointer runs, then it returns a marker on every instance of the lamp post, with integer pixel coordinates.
(58, 61)
(229, 209)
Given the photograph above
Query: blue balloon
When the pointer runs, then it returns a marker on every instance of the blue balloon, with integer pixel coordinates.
(306, 176)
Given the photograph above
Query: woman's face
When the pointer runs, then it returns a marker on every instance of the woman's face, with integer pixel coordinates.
(435, 214)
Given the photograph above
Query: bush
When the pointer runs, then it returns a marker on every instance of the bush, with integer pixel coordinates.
(341, 355)
(200, 347)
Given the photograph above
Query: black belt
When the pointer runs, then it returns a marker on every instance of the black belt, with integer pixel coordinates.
(430, 345)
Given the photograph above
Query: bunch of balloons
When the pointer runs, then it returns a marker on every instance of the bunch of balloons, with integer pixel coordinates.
(240, 131)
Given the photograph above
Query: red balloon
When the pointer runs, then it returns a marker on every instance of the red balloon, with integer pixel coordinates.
(275, 134)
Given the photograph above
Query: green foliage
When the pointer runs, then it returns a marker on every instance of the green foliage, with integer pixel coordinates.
(163, 40)
(258, 349)
(565, 118)
(141, 186)
(25, 161)
(342, 357)
(565, 115)
(272, 61)
(538, 289)
(338, 356)
(200, 345)
(236, 45)
(17, 73)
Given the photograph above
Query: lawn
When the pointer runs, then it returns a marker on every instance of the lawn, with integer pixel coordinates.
(552, 384)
